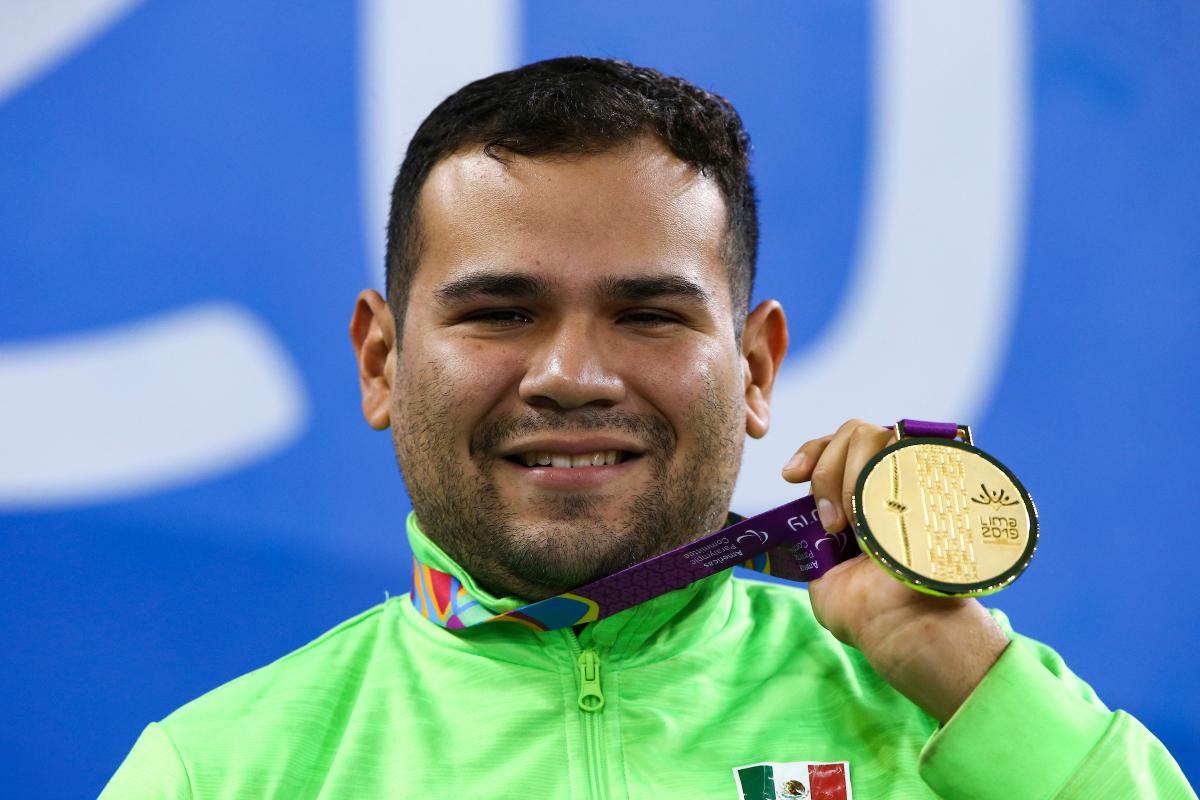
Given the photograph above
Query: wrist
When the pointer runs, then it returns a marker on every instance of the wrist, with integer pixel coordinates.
(936, 653)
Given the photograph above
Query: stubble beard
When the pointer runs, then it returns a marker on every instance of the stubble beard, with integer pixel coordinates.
(469, 519)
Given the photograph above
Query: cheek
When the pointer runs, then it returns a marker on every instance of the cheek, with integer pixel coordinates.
(479, 374)
(458, 383)
(700, 387)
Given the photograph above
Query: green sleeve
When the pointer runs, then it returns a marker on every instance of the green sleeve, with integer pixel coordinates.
(151, 771)
(1032, 729)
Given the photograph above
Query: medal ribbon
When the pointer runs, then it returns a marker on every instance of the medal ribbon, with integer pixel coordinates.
(787, 542)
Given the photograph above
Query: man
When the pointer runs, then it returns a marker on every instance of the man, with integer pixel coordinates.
(568, 364)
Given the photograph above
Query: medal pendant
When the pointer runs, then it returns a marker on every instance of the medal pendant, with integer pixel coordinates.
(944, 517)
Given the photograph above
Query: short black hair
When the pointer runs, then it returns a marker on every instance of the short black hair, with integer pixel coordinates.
(578, 105)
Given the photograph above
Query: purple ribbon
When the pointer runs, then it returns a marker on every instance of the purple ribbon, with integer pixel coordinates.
(920, 427)
(787, 541)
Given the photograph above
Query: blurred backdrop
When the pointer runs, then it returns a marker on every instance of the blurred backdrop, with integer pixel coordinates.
(983, 214)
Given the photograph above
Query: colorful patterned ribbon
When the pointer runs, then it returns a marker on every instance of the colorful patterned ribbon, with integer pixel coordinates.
(787, 541)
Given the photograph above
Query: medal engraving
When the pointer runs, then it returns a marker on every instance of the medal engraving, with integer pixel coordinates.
(947, 527)
(944, 517)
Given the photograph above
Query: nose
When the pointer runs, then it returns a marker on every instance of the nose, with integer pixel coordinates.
(569, 368)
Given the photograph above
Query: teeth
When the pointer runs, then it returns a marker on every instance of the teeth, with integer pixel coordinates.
(545, 459)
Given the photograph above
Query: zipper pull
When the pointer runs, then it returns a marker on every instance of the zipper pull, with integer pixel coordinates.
(590, 696)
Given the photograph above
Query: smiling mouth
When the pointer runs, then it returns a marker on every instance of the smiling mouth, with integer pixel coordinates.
(600, 458)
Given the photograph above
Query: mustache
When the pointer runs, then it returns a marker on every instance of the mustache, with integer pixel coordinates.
(653, 432)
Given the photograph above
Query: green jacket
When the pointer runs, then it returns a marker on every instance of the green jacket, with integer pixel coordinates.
(725, 673)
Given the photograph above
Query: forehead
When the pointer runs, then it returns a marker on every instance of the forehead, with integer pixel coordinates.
(637, 209)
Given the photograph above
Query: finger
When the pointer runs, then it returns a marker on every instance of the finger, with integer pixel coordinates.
(799, 467)
(835, 571)
(827, 479)
(865, 441)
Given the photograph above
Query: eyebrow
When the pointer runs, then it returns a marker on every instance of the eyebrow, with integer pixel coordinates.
(650, 287)
(492, 284)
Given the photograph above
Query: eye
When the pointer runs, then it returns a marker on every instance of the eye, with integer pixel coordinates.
(500, 318)
(647, 319)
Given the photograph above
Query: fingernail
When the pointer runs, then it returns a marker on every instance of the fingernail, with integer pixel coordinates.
(796, 462)
(827, 513)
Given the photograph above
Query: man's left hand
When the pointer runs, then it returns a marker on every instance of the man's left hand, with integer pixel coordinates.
(934, 650)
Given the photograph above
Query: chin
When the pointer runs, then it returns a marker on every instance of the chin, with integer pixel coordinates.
(566, 555)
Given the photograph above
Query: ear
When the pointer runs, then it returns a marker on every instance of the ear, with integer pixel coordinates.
(373, 334)
(764, 344)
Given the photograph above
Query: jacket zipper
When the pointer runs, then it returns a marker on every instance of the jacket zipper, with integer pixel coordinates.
(591, 699)
(591, 703)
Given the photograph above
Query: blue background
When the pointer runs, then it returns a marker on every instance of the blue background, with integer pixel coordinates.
(199, 151)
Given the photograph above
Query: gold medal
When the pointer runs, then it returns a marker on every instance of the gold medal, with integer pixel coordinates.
(943, 516)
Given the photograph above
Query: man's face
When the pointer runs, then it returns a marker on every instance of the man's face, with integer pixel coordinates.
(568, 392)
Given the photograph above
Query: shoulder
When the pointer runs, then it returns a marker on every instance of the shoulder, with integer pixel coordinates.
(305, 685)
(269, 731)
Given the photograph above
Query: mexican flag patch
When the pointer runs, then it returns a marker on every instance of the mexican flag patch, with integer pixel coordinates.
(794, 780)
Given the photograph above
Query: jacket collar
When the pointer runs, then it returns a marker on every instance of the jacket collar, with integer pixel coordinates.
(651, 630)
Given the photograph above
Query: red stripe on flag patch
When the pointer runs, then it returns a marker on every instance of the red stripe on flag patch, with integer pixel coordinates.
(827, 782)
